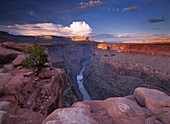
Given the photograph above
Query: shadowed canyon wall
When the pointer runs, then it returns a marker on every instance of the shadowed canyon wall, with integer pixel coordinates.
(70, 57)
(117, 69)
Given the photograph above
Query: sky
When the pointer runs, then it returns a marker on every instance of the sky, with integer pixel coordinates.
(107, 20)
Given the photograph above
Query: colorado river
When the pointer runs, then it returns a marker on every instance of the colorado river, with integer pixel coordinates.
(81, 86)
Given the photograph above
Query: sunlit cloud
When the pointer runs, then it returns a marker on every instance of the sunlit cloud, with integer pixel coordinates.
(31, 13)
(129, 37)
(132, 9)
(76, 28)
(91, 3)
(149, 2)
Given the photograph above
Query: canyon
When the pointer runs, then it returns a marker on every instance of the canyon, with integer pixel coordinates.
(116, 70)
(125, 82)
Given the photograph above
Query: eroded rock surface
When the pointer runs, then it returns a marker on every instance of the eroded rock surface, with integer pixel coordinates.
(118, 70)
(12, 114)
(31, 92)
(115, 110)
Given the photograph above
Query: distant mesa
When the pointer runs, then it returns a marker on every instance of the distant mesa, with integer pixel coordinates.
(48, 37)
(165, 40)
(4, 36)
(79, 38)
(100, 41)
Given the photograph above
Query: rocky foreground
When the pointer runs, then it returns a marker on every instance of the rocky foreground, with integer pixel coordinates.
(146, 106)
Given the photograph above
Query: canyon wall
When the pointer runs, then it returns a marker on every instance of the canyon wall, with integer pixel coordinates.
(70, 57)
(117, 69)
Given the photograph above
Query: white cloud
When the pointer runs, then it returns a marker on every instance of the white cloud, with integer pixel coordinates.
(76, 28)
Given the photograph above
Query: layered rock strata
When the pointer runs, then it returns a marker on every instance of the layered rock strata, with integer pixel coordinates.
(42, 93)
(117, 69)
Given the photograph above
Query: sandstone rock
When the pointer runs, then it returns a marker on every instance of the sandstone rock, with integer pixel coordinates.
(40, 95)
(152, 120)
(18, 60)
(45, 73)
(74, 115)
(124, 111)
(116, 110)
(12, 114)
(12, 45)
(6, 55)
(8, 67)
(154, 100)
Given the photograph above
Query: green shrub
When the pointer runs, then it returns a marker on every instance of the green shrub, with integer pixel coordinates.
(36, 57)
(158, 117)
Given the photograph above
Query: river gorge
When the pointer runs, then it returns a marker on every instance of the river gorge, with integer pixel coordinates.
(88, 78)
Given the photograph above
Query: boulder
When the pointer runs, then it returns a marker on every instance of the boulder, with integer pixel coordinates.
(6, 55)
(45, 73)
(79, 114)
(29, 91)
(115, 110)
(12, 114)
(154, 100)
(18, 60)
(124, 111)
(12, 45)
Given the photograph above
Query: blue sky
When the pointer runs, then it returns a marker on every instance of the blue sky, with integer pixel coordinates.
(108, 20)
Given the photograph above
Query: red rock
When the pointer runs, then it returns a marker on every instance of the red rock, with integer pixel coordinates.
(18, 60)
(45, 73)
(41, 95)
(152, 120)
(12, 114)
(6, 55)
(154, 100)
(12, 45)
(124, 111)
(8, 67)
(79, 114)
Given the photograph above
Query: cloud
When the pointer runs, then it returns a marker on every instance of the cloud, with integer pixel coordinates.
(149, 2)
(155, 28)
(89, 4)
(116, 10)
(153, 20)
(76, 28)
(132, 9)
(128, 37)
(31, 13)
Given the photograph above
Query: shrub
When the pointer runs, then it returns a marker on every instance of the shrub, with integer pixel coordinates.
(158, 117)
(36, 57)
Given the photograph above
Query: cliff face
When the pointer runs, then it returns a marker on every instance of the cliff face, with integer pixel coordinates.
(42, 93)
(166, 40)
(69, 57)
(120, 68)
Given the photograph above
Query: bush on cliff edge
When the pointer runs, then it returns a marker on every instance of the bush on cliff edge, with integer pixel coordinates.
(36, 57)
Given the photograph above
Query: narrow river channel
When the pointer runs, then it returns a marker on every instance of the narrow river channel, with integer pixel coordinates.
(80, 83)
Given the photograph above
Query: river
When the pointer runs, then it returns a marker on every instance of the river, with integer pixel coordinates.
(80, 83)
